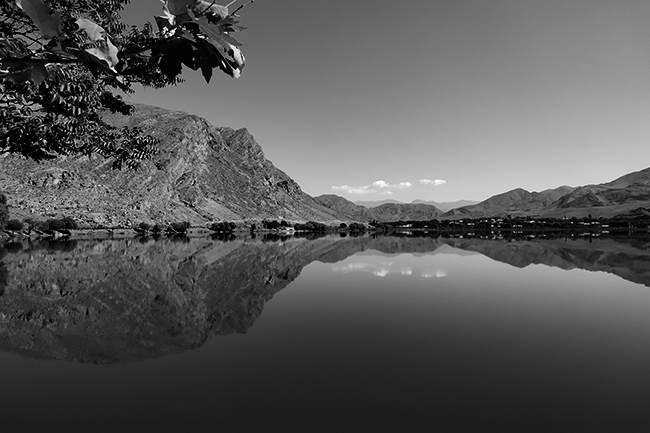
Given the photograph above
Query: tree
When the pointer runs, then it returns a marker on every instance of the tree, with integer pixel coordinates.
(4, 211)
(63, 64)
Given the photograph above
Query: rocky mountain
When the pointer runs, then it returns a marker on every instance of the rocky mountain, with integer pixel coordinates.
(376, 203)
(448, 205)
(515, 202)
(384, 212)
(625, 194)
(443, 206)
(622, 195)
(201, 173)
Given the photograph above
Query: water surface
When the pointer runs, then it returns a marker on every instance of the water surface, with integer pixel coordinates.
(332, 334)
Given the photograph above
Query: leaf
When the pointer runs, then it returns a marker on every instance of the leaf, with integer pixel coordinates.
(232, 58)
(107, 53)
(50, 25)
(94, 31)
(202, 7)
(176, 7)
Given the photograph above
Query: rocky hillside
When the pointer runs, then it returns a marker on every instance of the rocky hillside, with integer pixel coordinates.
(384, 212)
(201, 173)
(515, 202)
(629, 193)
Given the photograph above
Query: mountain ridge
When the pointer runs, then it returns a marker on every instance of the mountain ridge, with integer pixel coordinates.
(204, 173)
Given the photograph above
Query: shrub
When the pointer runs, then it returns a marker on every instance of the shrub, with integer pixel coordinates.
(4, 211)
(157, 228)
(179, 227)
(342, 225)
(69, 223)
(55, 224)
(14, 225)
(223, 227)
(144, 226)
(271, 224)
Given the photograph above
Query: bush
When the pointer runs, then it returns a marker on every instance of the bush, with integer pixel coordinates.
(272, 224)
(179, 227)
(4, 211)
(144, 226)
(342, 225)
(157, 228)
(223, 227)
(69, 223)
(54, 224)
(14, 225)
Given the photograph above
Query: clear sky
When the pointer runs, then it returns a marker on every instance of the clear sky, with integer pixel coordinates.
(368, 98)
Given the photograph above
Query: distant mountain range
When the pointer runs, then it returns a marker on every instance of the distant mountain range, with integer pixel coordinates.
(628, 193)
(204, 173)
(346, 209)
(443, 206)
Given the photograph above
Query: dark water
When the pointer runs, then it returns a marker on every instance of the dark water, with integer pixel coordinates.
(332, 334)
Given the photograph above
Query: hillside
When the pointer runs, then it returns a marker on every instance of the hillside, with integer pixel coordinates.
(626, 194)
(384, 212)
(446, 206)
(515, 202)
(201, 173)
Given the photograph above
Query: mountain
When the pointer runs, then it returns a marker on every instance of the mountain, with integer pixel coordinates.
(443, 206)
(628, 193)
(515, 202)
(622, 195)
(201, 173)
(376, 203)
(384, 212)
(446, 206)
(343, 207)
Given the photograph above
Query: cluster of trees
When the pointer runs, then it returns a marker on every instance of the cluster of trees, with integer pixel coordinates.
(223, 227)
(66, 62)
(4, 211)
(48, 226)
(172, 228)
(518, 223)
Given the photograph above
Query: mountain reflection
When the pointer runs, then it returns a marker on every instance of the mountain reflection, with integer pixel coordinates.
(106, 301)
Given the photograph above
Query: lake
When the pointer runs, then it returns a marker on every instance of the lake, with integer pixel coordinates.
(403, 333)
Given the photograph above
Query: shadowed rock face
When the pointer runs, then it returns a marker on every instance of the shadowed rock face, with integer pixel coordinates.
(124, 300)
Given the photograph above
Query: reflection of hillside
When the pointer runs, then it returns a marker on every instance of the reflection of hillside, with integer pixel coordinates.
(108, 301)
(121, 300)
(627, 258)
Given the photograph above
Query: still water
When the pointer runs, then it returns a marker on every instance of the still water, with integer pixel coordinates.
(336, 334)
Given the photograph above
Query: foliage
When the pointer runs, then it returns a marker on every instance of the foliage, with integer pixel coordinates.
(357, 227)
(223, 227)
(69, 223)
(312, 226)
(271, 224)
(178, 227)
(63, 63)
(14, 225)
(4, 211)
(144, 226)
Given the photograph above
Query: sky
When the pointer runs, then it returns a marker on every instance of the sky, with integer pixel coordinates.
(437, 100)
